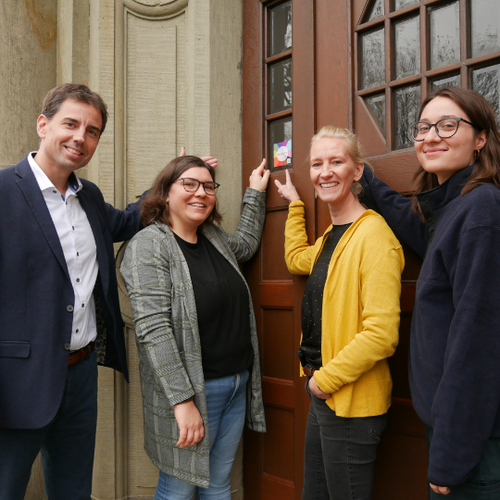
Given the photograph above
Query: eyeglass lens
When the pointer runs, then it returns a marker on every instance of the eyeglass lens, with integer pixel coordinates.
(445, 128)
(192, 185)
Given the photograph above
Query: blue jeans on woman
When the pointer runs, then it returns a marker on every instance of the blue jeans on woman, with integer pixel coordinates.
(339, 453)
(226, 405)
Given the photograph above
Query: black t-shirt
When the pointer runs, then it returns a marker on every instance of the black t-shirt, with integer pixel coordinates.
(222, 306)
(312, 301)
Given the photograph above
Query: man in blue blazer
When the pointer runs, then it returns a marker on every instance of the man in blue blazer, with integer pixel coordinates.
(59, 310)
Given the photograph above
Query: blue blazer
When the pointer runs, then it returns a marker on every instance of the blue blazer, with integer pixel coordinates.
(37, 298)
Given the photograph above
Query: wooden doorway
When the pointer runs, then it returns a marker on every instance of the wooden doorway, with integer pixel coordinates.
(365, 65)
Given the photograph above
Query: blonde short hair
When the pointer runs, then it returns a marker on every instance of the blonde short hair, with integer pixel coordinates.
(353, 144)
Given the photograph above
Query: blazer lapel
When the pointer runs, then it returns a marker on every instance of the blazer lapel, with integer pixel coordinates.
(34, 198)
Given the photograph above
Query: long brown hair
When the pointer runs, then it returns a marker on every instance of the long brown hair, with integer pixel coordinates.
(154, 206)
(480, 112)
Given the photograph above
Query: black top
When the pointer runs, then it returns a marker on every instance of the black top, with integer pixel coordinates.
(222, 306)
(312, 301)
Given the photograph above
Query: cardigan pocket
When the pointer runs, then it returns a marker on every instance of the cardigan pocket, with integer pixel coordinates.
(14, 349)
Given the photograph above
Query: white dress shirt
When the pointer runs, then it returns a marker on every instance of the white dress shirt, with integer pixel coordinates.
(79, 248)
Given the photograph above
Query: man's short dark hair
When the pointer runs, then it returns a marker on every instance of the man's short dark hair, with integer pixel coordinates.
(55, 98)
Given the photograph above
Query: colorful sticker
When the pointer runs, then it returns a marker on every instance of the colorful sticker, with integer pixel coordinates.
(282, 153)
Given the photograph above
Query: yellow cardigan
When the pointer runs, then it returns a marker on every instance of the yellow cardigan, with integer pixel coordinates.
(361, 309)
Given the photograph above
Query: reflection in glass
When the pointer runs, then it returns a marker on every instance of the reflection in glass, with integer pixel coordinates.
(280, 142)
(443, 82)
(485, 26)
(376, 104)
(406, 107)
(444, 35)
(377, 10)
(281, 85)
(407, 45)
(372, 59)
(280, 26)
(486, 81)
(399, 4)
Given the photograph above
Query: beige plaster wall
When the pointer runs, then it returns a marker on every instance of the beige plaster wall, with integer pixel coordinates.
(28, 63)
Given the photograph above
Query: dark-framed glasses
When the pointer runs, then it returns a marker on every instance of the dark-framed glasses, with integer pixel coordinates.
(445, 128)
(192, 185)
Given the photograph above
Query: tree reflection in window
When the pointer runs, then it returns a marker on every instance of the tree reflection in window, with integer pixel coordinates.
(373, 53)
(407, 38)
(485, 26)
(376, 104)
(406, 106)
(486, 81)
(454, 81)
(444, 35)
(377, 10)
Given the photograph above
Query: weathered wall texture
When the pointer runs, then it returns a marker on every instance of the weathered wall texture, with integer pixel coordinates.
(28, 30)
(169, 71)
(28, 63)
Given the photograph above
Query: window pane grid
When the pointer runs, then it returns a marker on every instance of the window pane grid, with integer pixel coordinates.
(427, 45)
(279, 85)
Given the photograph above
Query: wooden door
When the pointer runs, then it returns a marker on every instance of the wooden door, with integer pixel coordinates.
(365, 65)
(273, 461)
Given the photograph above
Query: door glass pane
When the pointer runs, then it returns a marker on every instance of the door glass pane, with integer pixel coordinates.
(281, 85)
(444, 35)
(485, 26)
(443, 82)
(373, 59)
(280, 26)
(377, 10)
(280, 140)
(486, 81)
(407, 47)
(376, 104)
(399, 4)
(406, 107)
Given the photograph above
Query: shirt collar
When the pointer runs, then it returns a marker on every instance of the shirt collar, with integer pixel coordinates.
(74, 183)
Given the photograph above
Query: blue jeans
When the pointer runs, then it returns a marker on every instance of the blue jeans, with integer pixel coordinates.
(226, 405)
(67, 443)
(484, 480)
(339, 454)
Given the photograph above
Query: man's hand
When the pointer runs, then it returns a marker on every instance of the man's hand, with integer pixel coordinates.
(190, 424)
(207, 159)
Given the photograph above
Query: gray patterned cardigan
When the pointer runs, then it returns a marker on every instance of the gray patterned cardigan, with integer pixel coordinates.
(166, 326)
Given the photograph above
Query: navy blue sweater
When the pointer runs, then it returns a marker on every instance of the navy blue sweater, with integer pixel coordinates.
(454, 365)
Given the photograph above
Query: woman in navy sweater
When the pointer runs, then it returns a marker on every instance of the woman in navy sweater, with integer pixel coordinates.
(453, 223)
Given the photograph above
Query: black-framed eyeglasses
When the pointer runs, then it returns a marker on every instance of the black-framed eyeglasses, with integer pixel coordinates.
(445, 128)
(192, 185)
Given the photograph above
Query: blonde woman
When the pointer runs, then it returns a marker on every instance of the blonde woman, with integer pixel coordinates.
(350, 320)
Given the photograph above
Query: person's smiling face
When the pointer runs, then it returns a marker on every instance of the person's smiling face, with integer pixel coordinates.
(70, 138)
(445, 157)
(333, 171)
(190, 210)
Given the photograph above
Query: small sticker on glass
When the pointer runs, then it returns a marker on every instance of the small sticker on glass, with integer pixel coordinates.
(282, 153)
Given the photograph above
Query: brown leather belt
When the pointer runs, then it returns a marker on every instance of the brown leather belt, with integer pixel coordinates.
(82, 353)
(308, 370)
